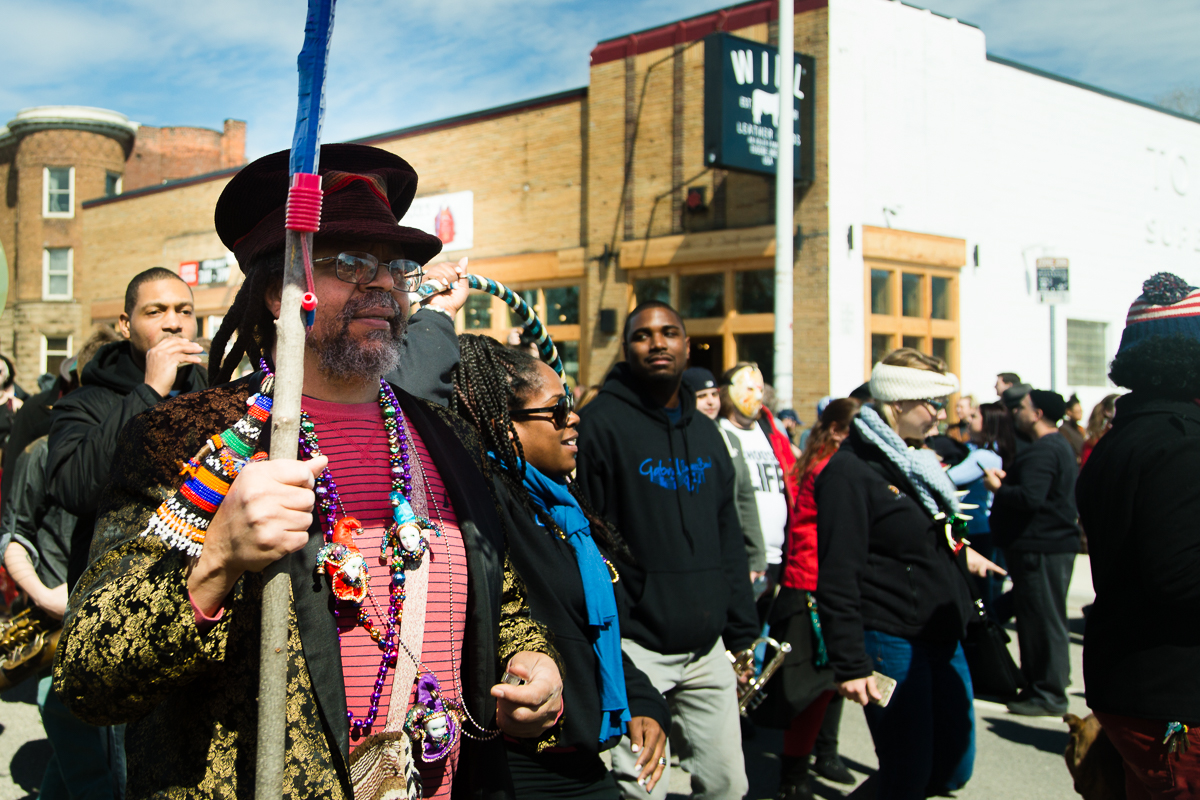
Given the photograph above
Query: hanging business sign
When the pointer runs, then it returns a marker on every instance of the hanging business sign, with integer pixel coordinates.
(450, 217)
(741, 106)
(1053, 280)
(208, 271)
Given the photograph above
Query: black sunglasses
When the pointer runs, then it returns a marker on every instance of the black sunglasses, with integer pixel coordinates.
(937, 403)
(560, 411)
(361, 269)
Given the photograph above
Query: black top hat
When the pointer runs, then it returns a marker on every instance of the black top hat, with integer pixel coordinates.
(367, 190)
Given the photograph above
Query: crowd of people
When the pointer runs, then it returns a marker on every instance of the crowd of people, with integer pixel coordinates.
(495, 579)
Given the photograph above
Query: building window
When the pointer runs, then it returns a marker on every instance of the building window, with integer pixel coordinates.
(56, 273)
(922, 315)
(212, 324)
(1086, 360)
(58, 194)
(702, 295)
(55, 350)
(478, 312)
(557, 306)
(112, 184)
(881, 291)
(562, 305)
(760, 349)
(754, 291)
(647, 289)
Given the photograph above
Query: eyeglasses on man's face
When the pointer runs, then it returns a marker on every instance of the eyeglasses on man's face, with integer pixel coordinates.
(560, 412)
(361, 268)
(938, 404)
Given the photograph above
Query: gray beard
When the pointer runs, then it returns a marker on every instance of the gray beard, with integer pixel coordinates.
(343, 359)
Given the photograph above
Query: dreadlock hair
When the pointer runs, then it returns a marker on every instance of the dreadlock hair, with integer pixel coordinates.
(248, 318)
(490, 382)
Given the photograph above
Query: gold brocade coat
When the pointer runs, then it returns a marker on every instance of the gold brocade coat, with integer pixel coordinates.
(131, 651)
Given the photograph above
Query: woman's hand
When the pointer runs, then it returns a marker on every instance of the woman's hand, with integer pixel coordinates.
(978, 565)
(993, 479)
(860, 690)
(528, 710)
(646, 737)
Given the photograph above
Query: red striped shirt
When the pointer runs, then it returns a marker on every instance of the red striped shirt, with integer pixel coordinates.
(353, 437)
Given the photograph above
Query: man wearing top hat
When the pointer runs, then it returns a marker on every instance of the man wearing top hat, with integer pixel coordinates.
(397, 642)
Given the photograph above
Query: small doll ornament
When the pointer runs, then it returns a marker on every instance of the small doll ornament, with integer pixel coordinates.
(408, 535)
(432, 723)
(344, 563)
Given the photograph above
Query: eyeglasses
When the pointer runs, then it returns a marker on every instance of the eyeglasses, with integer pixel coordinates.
(560, 411)
(361, 269)
(937, 403)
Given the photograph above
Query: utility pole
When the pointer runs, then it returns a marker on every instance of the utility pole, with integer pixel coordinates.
(784, 216)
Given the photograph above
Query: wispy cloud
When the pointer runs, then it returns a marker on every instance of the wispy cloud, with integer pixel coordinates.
(396, 64)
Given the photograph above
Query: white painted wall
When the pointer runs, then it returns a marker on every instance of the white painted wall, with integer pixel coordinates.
(1017, 163)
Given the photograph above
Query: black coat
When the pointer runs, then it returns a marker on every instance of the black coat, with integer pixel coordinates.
(83, 435)
(31, 422)
(668, 486)
(885, 564)
(548, 567)
(1140, 505)
(1034, 511)
(41, 527)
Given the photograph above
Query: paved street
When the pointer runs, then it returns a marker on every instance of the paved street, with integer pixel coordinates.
(1017, 756)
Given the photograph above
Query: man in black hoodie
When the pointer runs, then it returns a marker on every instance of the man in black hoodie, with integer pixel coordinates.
(157, 359)
(1033, 518)
(662, 474)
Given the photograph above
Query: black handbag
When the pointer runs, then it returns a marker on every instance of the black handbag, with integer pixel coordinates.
(994, 674)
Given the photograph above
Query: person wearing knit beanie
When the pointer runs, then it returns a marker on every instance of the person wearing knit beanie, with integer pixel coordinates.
(1139, 505)
(1160, 347)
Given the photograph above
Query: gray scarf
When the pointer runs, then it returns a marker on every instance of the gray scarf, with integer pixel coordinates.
(921, 467)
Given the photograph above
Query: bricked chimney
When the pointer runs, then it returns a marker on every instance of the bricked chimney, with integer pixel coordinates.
(233, 144)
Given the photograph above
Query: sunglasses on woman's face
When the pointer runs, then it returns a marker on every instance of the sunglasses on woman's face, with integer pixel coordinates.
(560, 412)
(937, 403)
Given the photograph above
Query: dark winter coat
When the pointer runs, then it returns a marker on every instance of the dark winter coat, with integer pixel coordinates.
(31, 520)
(31, 422)
(669, 488)
(885, 564)
(83, 435)
(550, 570)
(1034, 510)
(1140, 505)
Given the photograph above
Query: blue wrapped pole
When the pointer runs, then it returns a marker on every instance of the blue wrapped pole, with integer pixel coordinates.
(303, 219)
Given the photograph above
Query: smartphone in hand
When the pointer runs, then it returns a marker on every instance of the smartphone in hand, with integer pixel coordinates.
(886, 687)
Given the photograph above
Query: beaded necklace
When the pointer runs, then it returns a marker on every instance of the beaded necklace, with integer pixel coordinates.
(433, 721)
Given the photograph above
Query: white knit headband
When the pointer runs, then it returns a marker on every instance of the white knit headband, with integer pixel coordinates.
(891, 383)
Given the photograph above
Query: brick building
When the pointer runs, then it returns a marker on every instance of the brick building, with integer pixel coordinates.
(52, 158)
(937, 174)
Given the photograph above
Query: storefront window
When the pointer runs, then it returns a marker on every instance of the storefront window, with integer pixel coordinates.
(915, 342)
(569, 353)
(562, 305)
(910, 294)
(478, 311)
(759, 348)
(647, 289)
(941, 349)
(531, 297)
(755, 291)
(881, 291)
(939, 306)
(702, 295)
(881, 345)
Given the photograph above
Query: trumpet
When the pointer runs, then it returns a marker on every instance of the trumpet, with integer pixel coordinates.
(28, 642)
(750, 693)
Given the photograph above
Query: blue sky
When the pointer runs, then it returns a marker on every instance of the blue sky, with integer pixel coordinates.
(402, 62)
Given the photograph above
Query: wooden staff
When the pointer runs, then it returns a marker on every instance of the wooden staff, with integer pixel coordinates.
(303, 219)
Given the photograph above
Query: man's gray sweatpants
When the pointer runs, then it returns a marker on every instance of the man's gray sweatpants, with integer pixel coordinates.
(701, 689)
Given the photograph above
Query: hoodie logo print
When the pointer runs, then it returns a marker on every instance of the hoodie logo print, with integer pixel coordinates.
(690, 475)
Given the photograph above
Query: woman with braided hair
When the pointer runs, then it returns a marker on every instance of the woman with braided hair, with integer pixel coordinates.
(527, 438)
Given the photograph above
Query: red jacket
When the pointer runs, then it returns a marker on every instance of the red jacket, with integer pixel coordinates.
(800, 542)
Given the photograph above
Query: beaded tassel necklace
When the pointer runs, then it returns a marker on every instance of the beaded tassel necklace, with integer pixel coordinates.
(345, 565)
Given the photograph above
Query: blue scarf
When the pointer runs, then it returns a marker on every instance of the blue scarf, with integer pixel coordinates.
(556, 501)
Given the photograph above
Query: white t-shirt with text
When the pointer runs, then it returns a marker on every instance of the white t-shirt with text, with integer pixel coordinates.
(769, 488)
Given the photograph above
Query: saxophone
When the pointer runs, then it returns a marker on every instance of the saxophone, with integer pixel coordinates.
(750, 693)
(28, 642)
